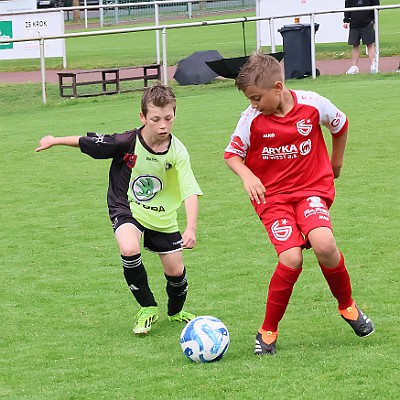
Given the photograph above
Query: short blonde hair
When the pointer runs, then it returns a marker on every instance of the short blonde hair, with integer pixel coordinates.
(261, 70)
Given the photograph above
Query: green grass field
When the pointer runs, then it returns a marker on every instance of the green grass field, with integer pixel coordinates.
(66, 313)
(138, 48)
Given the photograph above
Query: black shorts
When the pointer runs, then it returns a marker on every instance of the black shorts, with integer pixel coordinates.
(157, 242)
(366, 33)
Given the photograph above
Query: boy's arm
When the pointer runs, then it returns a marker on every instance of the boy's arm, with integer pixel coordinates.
(189, 236)
(49, 141)
(338, 148)
(254, 187)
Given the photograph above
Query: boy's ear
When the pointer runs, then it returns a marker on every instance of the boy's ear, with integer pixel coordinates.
(278, 85)
(142, 117)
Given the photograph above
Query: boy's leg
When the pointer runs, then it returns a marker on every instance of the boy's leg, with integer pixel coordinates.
(169, 248)
(177, 286)
(314, 220)
(128, 238)
(281, 287)
(332, 265)
(279, 292)
(284, 233)
(335, 272)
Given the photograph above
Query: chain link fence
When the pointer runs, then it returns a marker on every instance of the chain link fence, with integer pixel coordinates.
(125, 11)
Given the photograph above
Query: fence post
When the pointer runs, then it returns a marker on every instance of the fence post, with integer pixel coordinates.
(101, 14)
(85, 13)
(157, 23)
(272, 34)
(64, 57)
(116, 16)
(164, 45)
(258, 28)
(312, 27)
(42, 70)
(376, 17)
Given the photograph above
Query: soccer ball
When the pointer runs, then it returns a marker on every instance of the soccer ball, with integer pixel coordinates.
(204, 339)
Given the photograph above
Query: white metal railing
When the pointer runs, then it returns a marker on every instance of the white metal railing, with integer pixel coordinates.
(164, 28)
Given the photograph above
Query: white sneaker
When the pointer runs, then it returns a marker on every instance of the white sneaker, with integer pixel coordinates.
(353, 70)
(374, 67)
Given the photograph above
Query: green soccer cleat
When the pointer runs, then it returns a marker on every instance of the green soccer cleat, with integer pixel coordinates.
(144, 318)
(181, 316)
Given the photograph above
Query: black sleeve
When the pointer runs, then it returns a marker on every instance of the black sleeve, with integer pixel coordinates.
(101, 146)
(347, 14)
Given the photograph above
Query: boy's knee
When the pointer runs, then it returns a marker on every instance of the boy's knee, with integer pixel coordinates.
(292, 258)
(325, 248)
(327, 253)
(129, 249)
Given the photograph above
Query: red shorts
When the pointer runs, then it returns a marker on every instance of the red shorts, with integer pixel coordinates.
(288, 224)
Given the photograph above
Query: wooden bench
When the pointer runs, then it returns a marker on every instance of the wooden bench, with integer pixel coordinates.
(105, 81)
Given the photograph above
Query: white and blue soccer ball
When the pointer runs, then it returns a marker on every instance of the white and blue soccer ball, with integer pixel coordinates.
(204, 339)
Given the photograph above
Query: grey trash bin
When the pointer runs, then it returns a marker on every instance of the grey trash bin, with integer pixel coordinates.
(297, 49)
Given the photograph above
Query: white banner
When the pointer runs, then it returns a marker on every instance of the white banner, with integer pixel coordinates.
(12, 6)
(31, 25)
(330, 25)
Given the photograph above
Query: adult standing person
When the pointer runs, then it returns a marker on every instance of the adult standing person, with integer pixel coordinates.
(361, 27)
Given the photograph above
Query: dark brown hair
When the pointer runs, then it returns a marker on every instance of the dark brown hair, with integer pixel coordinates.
(158, 95)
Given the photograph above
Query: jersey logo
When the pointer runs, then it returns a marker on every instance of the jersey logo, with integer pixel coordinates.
(145, 187)
(336, 121)
(99, 138)
(305, 147)
(130, 160)
(304, 127)
(315, 201)
(316, 207)
(281, 232)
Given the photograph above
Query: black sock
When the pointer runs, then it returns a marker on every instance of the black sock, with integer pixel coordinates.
(136, 278)
(177, 288)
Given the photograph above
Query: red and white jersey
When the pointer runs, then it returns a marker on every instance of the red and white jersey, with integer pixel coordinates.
(288, 154)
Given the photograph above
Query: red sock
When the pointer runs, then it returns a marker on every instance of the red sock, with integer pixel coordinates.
(279, 292)
(339, 282)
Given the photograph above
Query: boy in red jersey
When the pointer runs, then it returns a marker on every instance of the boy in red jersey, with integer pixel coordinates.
(279, 152)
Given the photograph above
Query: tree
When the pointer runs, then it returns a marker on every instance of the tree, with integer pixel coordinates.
(76, 13)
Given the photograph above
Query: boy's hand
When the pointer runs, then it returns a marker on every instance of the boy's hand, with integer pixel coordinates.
(255, 189)
(189, 238)
(336, 171)
(45, 143)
